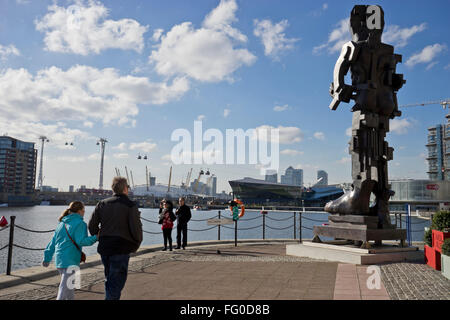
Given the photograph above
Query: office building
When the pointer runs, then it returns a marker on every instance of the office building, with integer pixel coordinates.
(439, 151)
(214, 186)
(292, 177)
(71, 189)
(152, 181)
(17, 171)
(322, 178)
(271, 177)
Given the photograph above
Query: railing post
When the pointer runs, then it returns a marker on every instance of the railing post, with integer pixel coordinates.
(295, 230)
(264, 227)
(396, 220)
(10, 245)
(300, 227)
(218, 229)
(400, 214)
(235, 233)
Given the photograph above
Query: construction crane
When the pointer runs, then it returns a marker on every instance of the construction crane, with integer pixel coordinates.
(41, 177)
(444, 103)
(102, 142)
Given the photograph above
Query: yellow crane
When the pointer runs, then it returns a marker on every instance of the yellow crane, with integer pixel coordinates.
(444, 103)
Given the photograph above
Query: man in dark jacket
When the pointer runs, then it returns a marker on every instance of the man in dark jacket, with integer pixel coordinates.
(119, 222)
(183, 216)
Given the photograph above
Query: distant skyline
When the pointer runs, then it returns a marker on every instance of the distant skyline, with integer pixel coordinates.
(135, 71)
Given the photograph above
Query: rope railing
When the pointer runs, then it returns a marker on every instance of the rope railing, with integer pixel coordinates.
(200, 230)
(4, 247)
(250, 219)
(320, 221)
(273, 228)
(241, 229)
(26, 248)
(288, 218)
(34, 231)
(147, 220)
(200, 220)
(4, 228)
(151, 232)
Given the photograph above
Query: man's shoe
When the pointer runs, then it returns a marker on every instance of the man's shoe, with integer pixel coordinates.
(165, 249)
(177, 247)
(184, 248)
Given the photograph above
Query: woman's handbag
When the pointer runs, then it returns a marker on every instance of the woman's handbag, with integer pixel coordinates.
(83, 256)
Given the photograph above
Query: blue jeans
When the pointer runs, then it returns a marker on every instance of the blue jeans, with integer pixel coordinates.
(116, 271)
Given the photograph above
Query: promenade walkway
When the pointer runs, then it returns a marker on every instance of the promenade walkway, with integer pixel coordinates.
(250, 271)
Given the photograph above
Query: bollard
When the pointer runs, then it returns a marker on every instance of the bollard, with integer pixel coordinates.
(295, 230)
(235, 233)
(264, 227)
(10, 245)
(300, 227)
(218, 229)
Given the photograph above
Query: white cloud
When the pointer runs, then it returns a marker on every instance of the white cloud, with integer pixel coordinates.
(201, 117)
(157, 34)
(280, 108)
(73, 159)
(88, 124)
(6, 51)
(207, 54)
(319, 135)
(287, 135)
(426, 55)
(82, 29)
(431, 65)
(400, 126)
(291, 152)
(226, 113)
(399, 37)
(121, 155)
(121, 146)
(145, 146)
(80, 93)
(22, 1)
(325, 6)
(337, 38)
(345, 160)
(273, 37)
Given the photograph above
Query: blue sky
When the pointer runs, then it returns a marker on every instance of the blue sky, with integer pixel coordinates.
(135, 71)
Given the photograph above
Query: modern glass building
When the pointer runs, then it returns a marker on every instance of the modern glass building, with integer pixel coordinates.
(422, 195)
(292, 177)
(439, 151)
(321, 174)
(17, 171)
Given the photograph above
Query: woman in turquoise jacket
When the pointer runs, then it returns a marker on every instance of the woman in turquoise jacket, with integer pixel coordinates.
(67, 255)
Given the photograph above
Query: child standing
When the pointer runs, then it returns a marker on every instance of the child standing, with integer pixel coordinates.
(69, 237)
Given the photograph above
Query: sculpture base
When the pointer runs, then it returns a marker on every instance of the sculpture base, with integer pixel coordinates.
(332, 251)
(360, 229)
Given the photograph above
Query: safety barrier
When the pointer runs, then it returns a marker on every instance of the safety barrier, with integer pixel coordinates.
(297, 229)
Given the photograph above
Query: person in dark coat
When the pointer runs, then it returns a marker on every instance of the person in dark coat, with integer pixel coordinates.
(183, 216)
(119, 223)
(168, 217)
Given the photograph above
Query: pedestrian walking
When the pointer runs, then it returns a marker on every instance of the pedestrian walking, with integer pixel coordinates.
(66, 245)
(119, 220)
(168, 217)
(183, 216)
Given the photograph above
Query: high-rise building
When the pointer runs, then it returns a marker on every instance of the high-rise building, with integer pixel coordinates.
(152, 181)
(71, 188)
(17, 170)
(271, 176)
(324, 175)
(292, 177)
(214, 186)
(439, 151)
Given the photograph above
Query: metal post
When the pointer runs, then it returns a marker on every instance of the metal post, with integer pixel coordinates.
(218, 229)
(400, 214)
(235, 233)
(396, 220)
(264, 227)
(300, 227)
(295, 230)
(10, 245)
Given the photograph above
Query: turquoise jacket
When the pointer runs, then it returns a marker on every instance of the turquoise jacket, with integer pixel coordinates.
(66, 254)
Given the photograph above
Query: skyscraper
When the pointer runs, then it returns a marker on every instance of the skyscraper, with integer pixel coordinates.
(439, 151)
(17, 170)
(271, 176)
(324, 175)
(292, 177)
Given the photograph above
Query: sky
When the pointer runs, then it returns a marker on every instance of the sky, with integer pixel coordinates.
(133, 72)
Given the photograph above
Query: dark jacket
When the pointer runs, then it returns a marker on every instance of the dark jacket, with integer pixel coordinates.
(183, 214)
(120, 224)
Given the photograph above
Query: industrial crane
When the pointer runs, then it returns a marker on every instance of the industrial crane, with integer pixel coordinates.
(198, 180)
(444, 103)
(188, 179)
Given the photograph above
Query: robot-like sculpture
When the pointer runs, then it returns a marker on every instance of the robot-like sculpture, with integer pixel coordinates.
(374, 86)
